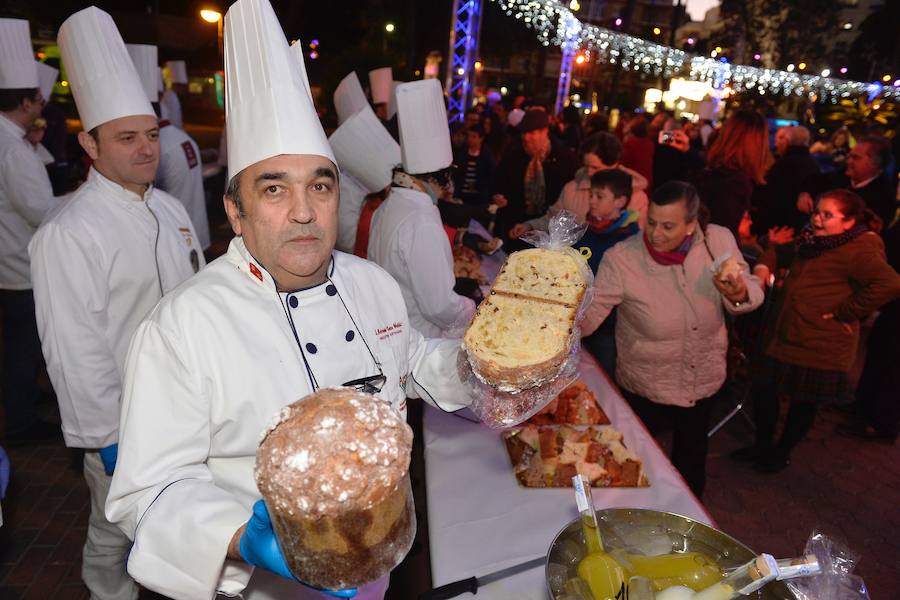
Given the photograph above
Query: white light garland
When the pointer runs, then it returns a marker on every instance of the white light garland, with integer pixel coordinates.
(554, 23)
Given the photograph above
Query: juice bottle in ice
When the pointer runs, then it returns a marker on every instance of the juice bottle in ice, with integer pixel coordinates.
(692, 569)
(604, 575)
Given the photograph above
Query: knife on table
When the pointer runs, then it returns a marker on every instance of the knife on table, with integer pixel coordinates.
(471, 585)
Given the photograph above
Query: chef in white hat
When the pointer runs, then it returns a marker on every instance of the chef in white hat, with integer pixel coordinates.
(349, 97)
(26, 197)
(46, 78)
(100, 264)
(170, 104)
(382, 87)
(180, 171)
(366, 155)
(280, 315)
(407, 238)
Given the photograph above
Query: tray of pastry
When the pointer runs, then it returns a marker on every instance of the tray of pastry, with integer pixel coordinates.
(550, 455)
(575, 405)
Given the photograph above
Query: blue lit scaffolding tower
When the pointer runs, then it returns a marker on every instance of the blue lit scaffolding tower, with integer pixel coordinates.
(570, 27)
(464, 36)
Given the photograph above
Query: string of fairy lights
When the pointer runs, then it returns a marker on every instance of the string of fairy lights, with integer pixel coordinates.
(556, 23)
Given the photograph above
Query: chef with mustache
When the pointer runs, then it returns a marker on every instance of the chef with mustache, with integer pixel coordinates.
(279, 316)
(100, 264)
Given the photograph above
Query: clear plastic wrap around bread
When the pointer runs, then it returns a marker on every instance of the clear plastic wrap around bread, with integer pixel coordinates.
(522, 345)
(334, 472)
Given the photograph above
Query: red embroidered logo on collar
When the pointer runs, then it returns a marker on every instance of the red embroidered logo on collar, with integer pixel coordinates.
(255, 270)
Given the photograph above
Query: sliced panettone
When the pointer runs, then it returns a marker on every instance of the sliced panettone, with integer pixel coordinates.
(544, 274)
(596, 452)
(514, 341)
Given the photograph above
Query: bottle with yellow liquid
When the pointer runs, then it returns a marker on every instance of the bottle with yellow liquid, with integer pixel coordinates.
(692, 569)
(604, 575)
(748, 578)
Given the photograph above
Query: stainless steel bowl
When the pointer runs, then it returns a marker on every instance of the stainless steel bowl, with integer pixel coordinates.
(653, 532)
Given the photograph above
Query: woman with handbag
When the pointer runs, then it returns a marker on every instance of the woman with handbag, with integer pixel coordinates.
(836, 275)
(671, 334)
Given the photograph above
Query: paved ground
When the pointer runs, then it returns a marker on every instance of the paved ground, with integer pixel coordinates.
(844, 487)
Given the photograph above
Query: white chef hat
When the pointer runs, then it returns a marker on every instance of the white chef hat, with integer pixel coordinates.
(17, 68)
(46, 78)
(392, 100)
(160, 83)
(144, 57)
(349, 97)
(366, 150)
(100, 72)
(177, 71)
(268, 105)
(380, 84)
(424, 133)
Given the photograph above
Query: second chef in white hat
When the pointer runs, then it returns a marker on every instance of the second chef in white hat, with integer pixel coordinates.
(100, 264)
(279, 316)
(366, 155)
(180, 171)
(407, 238)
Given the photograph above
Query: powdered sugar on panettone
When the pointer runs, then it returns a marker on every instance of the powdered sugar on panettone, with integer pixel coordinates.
(333, 451)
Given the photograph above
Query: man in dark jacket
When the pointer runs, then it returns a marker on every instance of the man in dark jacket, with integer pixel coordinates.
(531, 174)
(785, 180)
(865, 175)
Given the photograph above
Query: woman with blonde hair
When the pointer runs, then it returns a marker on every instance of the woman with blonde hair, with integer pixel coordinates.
(736, 163)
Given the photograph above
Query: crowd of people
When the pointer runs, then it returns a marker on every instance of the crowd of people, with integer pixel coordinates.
(154, 355)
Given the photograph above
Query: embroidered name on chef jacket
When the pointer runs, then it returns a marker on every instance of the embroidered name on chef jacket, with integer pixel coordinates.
(387, 331)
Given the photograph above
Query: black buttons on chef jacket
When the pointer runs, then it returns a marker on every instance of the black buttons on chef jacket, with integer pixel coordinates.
(292, 300)
(311, 348)
(349, 336)
(330, 289)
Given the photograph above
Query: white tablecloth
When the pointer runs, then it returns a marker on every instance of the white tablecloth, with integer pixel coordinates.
(481, 520)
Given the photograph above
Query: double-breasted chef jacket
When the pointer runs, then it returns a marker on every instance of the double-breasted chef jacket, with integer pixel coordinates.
(210, 369)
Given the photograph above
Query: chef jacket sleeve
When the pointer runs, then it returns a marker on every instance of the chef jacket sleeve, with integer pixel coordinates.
(609, 291)
(427, 255)
(434, 377)
(27, 185)
(163, 495)
(71, 299)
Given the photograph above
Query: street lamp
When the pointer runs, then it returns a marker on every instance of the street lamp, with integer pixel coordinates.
(214, 16)
(389, 28)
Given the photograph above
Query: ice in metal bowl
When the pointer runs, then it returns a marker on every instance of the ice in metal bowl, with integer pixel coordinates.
(652, 533)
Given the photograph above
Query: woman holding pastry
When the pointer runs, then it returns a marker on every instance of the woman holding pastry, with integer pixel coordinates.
(837, 275)
(670, 334)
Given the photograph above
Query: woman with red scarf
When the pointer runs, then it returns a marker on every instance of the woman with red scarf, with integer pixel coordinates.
(836, 276)
(671, 336)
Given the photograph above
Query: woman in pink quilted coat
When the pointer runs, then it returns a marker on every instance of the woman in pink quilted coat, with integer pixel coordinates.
(671, 334)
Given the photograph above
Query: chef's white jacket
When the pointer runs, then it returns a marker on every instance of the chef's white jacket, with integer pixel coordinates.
(26, 196)
(180, 174)
(99, 264)
(209, 370)
(408, 240)
(170, 108)
(353, 195)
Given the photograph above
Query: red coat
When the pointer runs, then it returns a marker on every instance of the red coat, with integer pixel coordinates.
(637, 154)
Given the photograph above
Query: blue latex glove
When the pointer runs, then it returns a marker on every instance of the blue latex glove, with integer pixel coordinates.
(259, 547)
(4, 473)
(109, 455)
